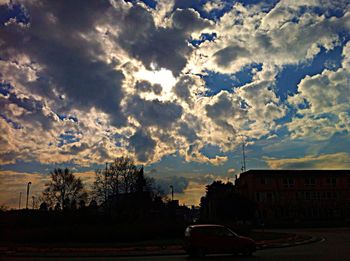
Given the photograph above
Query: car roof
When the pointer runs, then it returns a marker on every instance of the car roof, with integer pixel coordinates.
(205, 225)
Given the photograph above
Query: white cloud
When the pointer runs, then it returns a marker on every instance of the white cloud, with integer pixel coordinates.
(322, 103)
(284, 35)
(339, 160)
(213, 5)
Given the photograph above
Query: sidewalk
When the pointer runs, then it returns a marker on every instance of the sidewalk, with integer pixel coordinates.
(293, 240)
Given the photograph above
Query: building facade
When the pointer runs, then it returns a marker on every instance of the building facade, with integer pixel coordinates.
(311, 197)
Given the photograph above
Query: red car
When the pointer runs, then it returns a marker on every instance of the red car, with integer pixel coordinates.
(215, 239)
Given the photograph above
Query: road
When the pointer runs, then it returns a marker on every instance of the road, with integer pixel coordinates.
(334, 247)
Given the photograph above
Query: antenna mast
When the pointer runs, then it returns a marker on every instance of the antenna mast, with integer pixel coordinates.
(243, 155)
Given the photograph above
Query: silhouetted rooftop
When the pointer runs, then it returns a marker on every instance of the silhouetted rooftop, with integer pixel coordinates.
(296, 171)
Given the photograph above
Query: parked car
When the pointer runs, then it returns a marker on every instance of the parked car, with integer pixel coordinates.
(215, 239)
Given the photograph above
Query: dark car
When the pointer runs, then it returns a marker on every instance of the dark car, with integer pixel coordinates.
(215, 239)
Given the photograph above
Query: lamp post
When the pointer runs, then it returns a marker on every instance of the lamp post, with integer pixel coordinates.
(20, 199)
(28, 186)
(172, 192)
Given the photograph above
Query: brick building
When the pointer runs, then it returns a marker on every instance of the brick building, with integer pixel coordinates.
(298, 196)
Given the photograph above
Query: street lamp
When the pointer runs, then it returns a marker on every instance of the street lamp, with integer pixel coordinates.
(28, 186)
(20, 199)
(172, 192)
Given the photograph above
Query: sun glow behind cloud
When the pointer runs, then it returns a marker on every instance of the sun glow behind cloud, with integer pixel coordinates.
(163, 77)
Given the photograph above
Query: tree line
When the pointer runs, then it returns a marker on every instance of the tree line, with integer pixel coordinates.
(118, 181)
(121, 190)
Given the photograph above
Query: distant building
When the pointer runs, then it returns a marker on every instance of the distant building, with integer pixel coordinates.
(311, 197)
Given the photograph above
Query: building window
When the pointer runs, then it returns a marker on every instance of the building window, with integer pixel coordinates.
(300, 195)
(307, 195)
(288, 182)
(264, 181)
(318, 195)
(269, 196)
(263, 196)
(331, 181)
(310, 182)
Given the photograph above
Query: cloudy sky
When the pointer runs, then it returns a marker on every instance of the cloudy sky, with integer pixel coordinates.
(176, 84)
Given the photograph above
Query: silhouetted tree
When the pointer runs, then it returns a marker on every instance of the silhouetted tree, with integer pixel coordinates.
(3, 208)
(155, 189)
(43, 207)
(223, 203)
(57, 207)
(93, 204)
(82, 204)
(64, 189)
(119, 177)
(121, 183)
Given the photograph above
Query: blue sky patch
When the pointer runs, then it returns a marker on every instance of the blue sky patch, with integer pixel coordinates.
(68, 137)
(118, 138)
(5, 88)
(67, 117)
(204, 37)
(216, 82)
(291, 75)
(14, 11)
(150, 3)
(211, 151)
(13, 123)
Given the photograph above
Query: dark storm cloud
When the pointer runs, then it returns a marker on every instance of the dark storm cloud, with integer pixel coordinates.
(26, 103)
(228, 55)
(143, 145)
(54, 39)
(164, 47)
(154, 112)
(187, 132)
(182, 88)
(179, 184)
(34, 110)
(75, 149)
(221, 111)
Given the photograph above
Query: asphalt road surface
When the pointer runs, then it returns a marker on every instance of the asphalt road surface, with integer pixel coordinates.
(334, 247)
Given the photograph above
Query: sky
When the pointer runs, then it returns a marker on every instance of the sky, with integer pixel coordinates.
(178, 85)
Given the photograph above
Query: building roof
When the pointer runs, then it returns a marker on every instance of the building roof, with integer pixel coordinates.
(296, 172)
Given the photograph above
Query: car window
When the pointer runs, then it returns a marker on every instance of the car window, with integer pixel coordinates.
(215, 231)
(222, 231)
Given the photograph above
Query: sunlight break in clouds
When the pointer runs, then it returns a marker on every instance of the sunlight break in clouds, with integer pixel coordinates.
(163, 77)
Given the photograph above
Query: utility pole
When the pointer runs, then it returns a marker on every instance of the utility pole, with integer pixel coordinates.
(28, 187)
(20, 199)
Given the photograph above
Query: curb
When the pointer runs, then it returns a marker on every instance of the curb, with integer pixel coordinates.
(290, 242)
